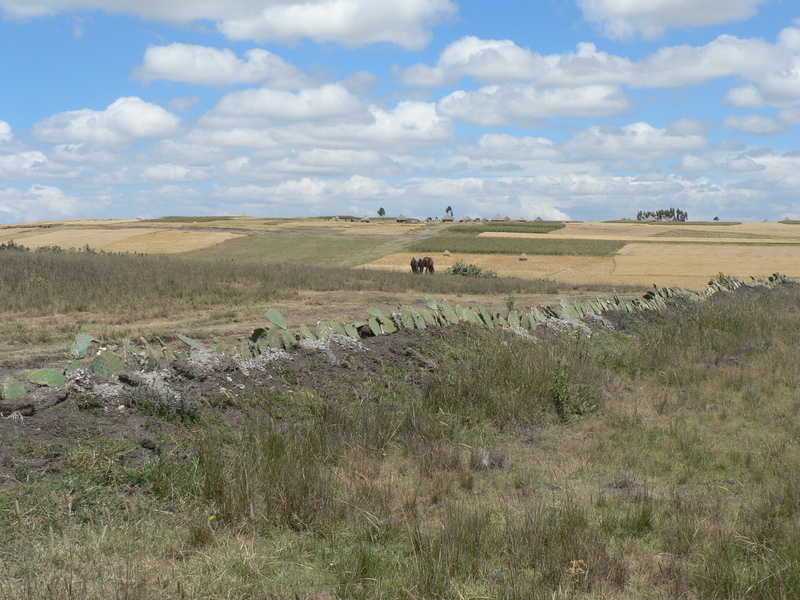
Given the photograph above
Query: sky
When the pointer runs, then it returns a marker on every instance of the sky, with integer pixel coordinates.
(561, 109)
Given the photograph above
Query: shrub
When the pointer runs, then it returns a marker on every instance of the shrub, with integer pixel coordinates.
(12, 245)
(466, 270)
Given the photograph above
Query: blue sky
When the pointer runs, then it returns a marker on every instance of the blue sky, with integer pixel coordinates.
(560, 109)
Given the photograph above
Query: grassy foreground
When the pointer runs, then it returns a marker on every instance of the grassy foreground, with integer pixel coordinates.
(658, 461)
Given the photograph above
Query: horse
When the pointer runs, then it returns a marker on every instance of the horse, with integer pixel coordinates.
(426, 266)
(416, 265)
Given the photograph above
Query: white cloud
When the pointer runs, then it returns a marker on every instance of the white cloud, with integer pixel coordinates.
(39, 203)
(360, 83)
(324, 117)
(742, 164)
(549, 196)
(755, 124)
(347, 22)
(625, 19)
(789, 38)
(325, 103)
(696, 164)
(183, 103)
(726, 55)
(308, 193)
(638, 141)
(410, 123)
(491, 61)
(781, 87)
(153, 174)
(6, 133)
(501, 61)
(23, 164)
(509, 147)
(202, 65)
(746, 96)
(314, 162)
(790, 116)
(126, 120)
(688, 127)
(17, 163)
(522, 104)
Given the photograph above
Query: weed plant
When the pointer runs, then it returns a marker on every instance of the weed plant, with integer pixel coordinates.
(659, 461)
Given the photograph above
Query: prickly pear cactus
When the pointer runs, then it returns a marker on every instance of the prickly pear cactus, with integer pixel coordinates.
(276, 318)
(387, 325)
(322, 330)
(406, 317)
(12, 389)
(375, 326)
(190, 342)
(431, 302)
(48, 377)
(81, 345)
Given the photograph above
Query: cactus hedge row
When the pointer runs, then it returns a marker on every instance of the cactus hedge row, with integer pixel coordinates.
(147, 356)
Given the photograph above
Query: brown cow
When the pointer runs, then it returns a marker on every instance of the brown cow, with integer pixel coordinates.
(426, 266)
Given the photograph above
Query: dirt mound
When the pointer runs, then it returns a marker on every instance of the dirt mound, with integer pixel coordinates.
(137, 406)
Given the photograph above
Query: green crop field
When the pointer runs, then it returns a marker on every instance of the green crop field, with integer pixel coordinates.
(473, 244)
(527, 227)
(311, 247)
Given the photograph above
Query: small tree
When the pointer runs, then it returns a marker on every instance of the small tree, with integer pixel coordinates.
(449, 210)
(381, 212)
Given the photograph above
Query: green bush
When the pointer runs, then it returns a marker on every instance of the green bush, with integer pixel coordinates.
(466, 270)
(12, 245)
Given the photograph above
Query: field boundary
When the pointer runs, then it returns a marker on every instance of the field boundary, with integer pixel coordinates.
(277, 336)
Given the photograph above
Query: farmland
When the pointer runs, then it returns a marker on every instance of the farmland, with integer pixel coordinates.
(612, 254)
(631, 454)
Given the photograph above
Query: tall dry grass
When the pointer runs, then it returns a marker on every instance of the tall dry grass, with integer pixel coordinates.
(51, 283)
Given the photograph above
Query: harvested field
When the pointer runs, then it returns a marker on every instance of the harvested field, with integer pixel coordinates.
(691, 265)
(128, 239)
(682, 265)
